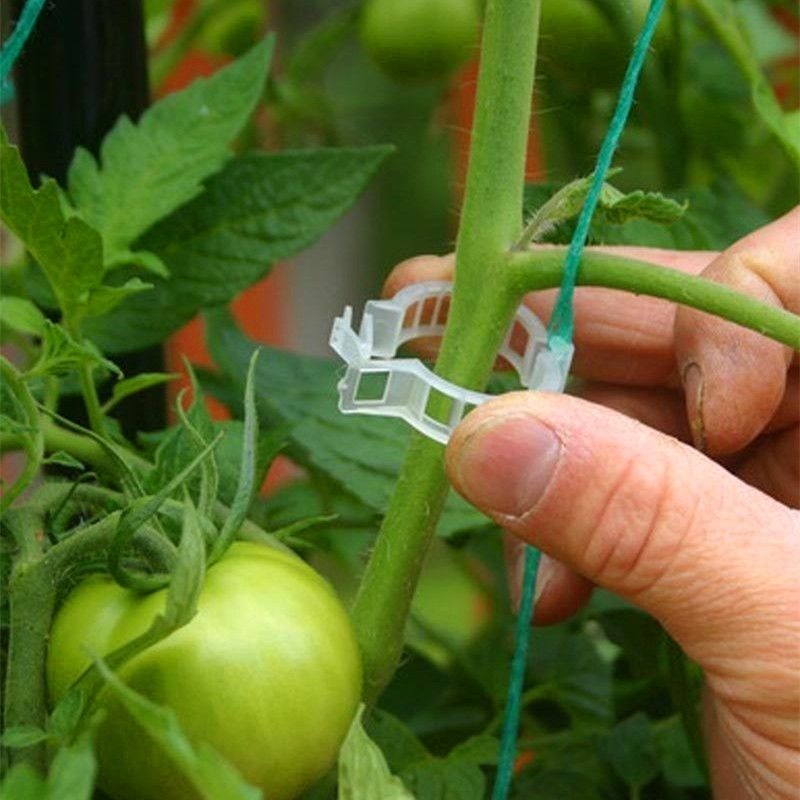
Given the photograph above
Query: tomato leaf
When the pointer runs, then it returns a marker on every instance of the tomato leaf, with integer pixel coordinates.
(247, 467)
(210, 774)
(614, 206)
(23, 782)
(22, 736)
(150, 168)
(18, 416)
(186, 582)
(137, 514)
(260, 208)
(715, 218)
(458, 775)
(68, 250)
(73, 769)
(130, 386)
(677, 760)
(630, 749)
(60, 353)
(21, 315)
(63, 722)
(363, 456)
(722, 17)
(63, 459)
(363, 771)
(548, 784)
(209, 474)
(106, 298)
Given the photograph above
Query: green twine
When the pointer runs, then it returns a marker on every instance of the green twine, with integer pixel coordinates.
(508, 740)
(13, 46)
(561, 327)
(561, 323)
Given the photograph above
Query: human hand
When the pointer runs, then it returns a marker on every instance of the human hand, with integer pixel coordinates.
(706, 540)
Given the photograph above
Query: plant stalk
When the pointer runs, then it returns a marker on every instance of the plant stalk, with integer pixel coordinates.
(481, 308)
(542, 268)
(97, 420)
(31, 597)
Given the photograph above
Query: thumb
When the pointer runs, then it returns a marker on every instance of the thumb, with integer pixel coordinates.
(636, 512)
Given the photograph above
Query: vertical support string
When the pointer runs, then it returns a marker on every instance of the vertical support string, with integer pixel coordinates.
(13, 46)
(561, 327)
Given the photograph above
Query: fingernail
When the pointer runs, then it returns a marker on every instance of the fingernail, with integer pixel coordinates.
(693, 387)
(506, 464)
(544, 575)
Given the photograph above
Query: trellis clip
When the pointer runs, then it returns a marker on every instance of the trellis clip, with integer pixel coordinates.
(405, 387)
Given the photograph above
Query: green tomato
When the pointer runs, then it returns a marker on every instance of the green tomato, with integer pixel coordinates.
(268, 672)
(413, 40)
(579, 47)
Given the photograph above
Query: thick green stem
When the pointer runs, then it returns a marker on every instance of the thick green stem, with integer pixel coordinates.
(97, 421)
(481, 308)
(84, 448)
(542, 268)
(31, 597)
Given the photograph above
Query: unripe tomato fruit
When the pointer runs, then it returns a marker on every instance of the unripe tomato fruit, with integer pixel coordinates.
(412, 40)
(579, 46)
(267, 672)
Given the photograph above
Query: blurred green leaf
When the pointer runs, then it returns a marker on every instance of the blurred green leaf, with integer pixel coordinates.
(456, 776)
(363, 772)
(722, 18)
(21, 315)
(630, 749)
(137, 383)
(106, 298)
(72, 771)
(639, 636)
(552, 784)
(22, 736)
(567, 663)
(677, 761)
(63, 459)
(22, 782)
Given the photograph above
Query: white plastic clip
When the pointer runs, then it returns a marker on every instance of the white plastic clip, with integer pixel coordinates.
(405, 386)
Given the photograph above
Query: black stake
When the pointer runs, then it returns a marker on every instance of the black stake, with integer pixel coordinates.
(84, 65)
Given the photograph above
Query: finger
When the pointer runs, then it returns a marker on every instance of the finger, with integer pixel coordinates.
(560, 591)
(662, 409)
(735, 378)
(638, 513)
(619, 337)
(773, 466)
(624, 338)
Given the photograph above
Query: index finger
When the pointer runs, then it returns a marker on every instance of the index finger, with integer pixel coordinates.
(619, 337)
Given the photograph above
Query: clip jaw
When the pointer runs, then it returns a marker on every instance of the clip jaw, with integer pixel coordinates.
(408, 385)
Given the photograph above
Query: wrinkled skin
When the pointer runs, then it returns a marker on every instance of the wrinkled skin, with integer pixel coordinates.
(267, 672)
(706, 538)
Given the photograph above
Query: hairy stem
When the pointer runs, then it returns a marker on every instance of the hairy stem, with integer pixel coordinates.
(542, 269)
(97, 420)
(31, 598)
(481, 308)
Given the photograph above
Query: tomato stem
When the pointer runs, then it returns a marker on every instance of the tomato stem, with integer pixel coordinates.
(480, 311)
(31, 598)
(542, 269)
